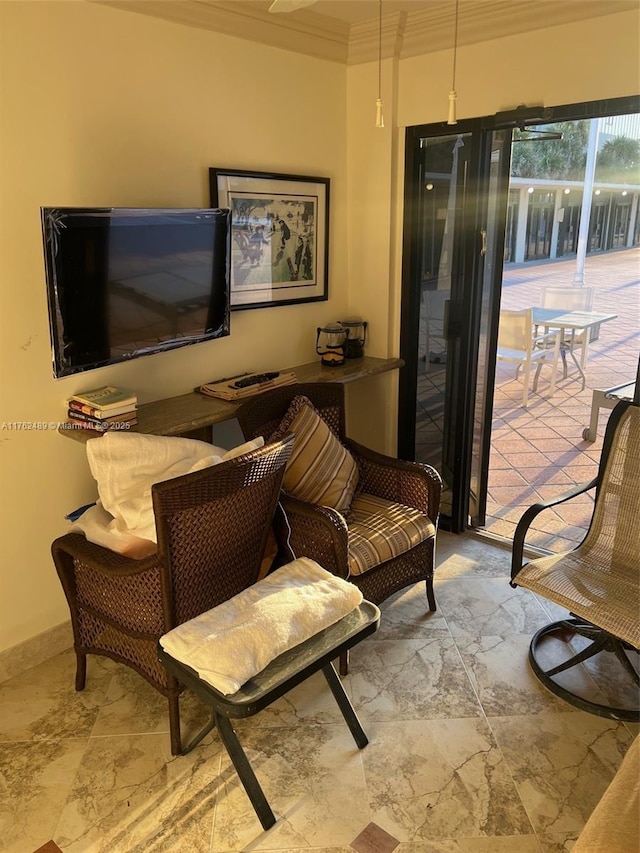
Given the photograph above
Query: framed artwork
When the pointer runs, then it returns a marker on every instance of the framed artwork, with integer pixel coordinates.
(279, 239)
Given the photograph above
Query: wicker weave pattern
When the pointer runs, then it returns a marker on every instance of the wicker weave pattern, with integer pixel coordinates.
(322, 534)
(99, 637)
(134, 601)
(384, 580)
(262, 414)
(600, 579)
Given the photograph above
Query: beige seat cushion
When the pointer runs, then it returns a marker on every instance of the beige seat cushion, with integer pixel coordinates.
(380, 530)
(320, 469)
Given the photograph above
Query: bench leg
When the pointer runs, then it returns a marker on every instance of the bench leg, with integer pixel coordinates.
(345, 706)
(245, 772)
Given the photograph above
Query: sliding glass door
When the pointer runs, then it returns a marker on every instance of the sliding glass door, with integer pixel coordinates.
(455, 212)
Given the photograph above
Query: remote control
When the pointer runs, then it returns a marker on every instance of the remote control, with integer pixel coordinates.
(256, 379)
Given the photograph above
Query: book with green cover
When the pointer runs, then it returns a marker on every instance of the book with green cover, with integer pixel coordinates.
(105, 398)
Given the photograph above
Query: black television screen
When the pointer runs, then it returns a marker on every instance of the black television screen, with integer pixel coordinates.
(124, 282)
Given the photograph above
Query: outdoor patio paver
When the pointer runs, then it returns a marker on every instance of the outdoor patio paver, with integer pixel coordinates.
(557, 456)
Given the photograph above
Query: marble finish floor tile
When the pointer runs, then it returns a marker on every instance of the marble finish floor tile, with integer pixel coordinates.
(492, 844)
(130, 796)
(133, 706)
(42, 702)
(557, 842)
(488, 606)
(405, 615)
(478, 558)
(441, 780)
(501, 675)
(35, 780)
(561, 764)
(313, 779)
(412, 680)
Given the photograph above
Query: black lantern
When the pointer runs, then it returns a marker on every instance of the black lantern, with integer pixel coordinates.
(330, 343)
(357, 328)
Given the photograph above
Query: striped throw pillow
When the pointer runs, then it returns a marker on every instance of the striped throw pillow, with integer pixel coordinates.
(320, 469)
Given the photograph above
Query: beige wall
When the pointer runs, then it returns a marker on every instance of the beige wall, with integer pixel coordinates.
(101, 107)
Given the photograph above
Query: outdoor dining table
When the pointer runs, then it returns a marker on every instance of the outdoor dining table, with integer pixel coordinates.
(570, 321)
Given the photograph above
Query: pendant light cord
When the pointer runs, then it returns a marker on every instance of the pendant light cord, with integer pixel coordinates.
(379, 49)
(379, 116)
(455, 46)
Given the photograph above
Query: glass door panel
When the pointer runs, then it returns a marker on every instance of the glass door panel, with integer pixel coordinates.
(493, 251)
(446, 305)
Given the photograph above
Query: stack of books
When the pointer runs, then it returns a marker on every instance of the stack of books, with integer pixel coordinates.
(247, 385)
(103, 408)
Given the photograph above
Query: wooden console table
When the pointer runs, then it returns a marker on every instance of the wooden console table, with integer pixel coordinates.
(188, 413)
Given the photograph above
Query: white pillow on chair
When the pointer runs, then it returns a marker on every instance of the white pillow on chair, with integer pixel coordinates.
(126, 465)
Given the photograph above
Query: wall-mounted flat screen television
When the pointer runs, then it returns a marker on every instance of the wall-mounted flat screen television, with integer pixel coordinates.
(124, 282)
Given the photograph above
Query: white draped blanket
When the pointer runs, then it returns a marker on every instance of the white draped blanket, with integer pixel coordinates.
(234, 641)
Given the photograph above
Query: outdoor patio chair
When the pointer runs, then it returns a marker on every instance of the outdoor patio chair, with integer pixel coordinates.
(570, 299)
(380, 536)
(517, 343)
(212, 528)
(598, 582)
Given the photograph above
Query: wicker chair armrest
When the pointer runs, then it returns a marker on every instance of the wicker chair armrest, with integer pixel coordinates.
(412, 484)
(524, 524)
(76, 546)
(317, 532)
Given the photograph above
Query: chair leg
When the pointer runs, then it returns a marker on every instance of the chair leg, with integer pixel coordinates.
(525, 383)
(430, 596)
(174, 725)
(81, 670)
(345, 706)
(245, 772)
(344, 662)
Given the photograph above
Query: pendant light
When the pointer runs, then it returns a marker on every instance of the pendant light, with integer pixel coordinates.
(379, 116)
(452, 94)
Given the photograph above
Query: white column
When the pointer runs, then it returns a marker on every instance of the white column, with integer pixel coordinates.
(632, 220)
(557, 218)
(521, 230)
(585, 214)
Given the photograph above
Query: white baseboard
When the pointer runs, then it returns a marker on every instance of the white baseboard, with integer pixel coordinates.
(35, 650)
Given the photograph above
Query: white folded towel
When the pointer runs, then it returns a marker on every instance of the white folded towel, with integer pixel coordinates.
(234, 641)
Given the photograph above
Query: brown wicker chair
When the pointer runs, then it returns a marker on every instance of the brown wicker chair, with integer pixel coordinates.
(598, 582)
(321, 532)
(212, 529)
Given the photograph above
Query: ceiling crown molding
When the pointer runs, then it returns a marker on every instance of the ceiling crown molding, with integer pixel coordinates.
(404, 34)
(364, 38)
(305, 32)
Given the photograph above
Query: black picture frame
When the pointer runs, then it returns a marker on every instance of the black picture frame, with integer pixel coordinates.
(279, 236)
